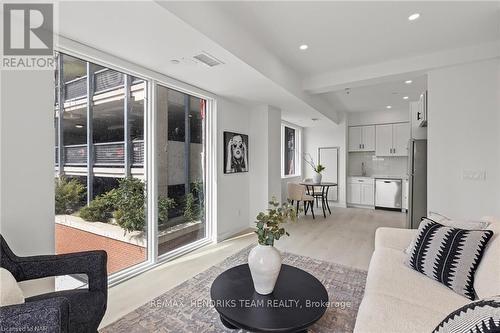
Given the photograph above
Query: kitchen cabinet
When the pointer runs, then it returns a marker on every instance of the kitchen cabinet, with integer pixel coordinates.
(401, 135)
(362, 138)
(360, 191)
(392, 139)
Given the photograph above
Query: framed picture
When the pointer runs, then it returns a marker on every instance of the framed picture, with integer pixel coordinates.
(235, 152)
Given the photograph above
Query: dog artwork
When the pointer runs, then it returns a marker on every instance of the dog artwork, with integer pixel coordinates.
(235, 152)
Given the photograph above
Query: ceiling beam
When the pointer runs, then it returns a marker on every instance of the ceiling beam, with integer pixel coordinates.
(398, 69)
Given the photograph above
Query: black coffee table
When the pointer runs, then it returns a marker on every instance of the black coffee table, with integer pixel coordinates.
(297, 302)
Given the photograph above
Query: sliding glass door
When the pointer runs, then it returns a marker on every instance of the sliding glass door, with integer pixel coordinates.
(114, 151)
(180, 149)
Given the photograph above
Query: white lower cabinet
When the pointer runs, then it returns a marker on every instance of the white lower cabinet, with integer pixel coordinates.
(360, 191)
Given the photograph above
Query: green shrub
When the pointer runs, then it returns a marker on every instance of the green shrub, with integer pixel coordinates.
(101, 208)
(69, 194)
(191, 209)
(164, 205)
(126, 204)
(130, 204)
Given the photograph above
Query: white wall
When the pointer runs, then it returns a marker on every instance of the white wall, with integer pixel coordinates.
(464, 134)
(27, 163)
(232, 189)
(378, 117)
(331, 135)
(265, 165)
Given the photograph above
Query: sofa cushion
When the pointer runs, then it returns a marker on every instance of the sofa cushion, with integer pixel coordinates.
(394, 238)
(10, 292)
(388, 275)
(86, 308)
(478, 316)
(487, 279)
(387, 314)
(449, 255)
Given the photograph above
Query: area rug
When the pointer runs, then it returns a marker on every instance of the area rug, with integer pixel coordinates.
(186, 308)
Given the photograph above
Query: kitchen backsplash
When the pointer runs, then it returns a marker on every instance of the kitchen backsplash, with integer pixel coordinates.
(377, 165)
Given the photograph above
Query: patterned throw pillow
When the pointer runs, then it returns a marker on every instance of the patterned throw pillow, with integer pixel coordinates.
(448, 255)
(481, 316)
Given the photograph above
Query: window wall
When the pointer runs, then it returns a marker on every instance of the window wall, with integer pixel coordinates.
(180, 129)
(111, 141)
(99, 119)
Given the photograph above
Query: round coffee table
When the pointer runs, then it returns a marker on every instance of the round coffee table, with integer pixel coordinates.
(297, 302)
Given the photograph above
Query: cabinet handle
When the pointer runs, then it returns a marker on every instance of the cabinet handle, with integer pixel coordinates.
(418, 115)
(360, 146)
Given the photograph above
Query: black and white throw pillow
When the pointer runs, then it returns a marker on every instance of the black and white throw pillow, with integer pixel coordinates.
(448, 255)
(481, 316)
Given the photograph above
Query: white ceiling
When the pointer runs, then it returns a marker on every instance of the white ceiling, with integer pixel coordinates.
(344, 34)
(258, 43)
(378, 97)
(156, 36)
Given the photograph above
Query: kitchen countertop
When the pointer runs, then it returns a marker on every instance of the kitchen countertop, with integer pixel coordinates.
(383, 176)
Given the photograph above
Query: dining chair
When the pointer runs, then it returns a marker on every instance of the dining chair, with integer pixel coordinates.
(297, 193)
(317, 194)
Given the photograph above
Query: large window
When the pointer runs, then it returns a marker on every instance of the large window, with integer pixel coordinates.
(180, 138)
(290, 151)
(113, 154)
(100, 187)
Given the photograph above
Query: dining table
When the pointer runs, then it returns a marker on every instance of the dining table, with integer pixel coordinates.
(323, 194)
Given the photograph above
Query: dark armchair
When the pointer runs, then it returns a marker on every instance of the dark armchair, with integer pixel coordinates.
(74, 311)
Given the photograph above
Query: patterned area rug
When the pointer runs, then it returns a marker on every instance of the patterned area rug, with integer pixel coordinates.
(186, 308)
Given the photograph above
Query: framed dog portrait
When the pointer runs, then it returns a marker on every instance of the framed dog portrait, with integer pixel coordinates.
(235, 152)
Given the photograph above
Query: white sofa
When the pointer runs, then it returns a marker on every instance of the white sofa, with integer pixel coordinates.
(399, 299)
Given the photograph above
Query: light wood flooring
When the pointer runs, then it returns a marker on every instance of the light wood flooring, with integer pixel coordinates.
(346, 237)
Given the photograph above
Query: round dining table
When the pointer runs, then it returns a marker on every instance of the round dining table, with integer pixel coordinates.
(323, 194)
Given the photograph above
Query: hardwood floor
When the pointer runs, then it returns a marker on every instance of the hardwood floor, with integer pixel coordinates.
(345, 237)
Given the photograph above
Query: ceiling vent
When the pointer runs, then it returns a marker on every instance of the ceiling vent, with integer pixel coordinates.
(208, 59)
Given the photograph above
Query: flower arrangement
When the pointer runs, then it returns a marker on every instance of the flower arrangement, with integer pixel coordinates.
(316, 167)
(269, 224)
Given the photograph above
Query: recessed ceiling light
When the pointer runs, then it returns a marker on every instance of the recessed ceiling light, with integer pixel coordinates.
(79, 126)
(413, 17)
(175, 61)
(388, 107)
(408, 81)
(314, 119)
(405, 97)
(303, 47)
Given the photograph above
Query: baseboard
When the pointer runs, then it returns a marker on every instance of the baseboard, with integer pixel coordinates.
(360, 206)
(231, 233)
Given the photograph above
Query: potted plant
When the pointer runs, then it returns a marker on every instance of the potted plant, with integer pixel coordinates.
(264, 260)
(317, 168)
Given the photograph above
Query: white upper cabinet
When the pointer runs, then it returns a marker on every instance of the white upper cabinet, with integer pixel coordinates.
(401, 135)
(368, 134)
(383, 140)
(362, 138)
(392, 139)
(355, 138)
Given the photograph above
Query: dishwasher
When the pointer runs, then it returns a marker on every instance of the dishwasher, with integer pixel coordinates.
(388, 193)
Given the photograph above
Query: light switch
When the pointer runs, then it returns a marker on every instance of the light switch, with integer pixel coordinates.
(475, 175)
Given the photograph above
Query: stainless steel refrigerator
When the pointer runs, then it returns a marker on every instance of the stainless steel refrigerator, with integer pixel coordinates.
(417, 182)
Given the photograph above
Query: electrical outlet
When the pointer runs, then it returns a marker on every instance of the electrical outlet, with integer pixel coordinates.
(475, 175)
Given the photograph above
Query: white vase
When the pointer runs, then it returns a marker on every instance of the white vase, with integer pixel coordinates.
(317, 178)
(265, 265)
